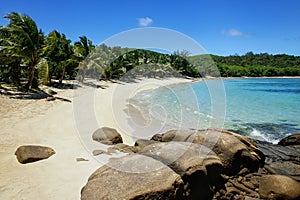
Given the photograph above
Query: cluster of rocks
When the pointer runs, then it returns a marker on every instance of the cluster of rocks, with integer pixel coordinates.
(283, 158)
(204, 164)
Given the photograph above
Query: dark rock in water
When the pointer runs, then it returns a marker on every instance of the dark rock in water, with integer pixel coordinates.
(31, 153)
(286, 168)
(107, 136)
(198, 166)
(293, 139)
(133, 177)
(279, 187)
(283, 160)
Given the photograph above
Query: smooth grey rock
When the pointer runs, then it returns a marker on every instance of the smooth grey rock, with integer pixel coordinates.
(279, 187)
(236, 152)
(133, 177)
(31, 153)
(107, 136)
(199, 167)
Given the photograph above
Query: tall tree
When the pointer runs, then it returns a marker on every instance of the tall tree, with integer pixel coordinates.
(59, 52)
(22, 40)
(83, 47)
(82, 50)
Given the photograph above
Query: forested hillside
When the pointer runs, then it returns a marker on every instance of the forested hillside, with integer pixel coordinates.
(258, 65)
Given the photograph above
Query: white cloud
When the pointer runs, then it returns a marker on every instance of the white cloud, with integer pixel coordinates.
(146, 21)
(234, 32)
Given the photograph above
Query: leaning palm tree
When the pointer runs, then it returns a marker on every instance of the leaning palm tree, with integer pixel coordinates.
(23, 41)
(84, 46)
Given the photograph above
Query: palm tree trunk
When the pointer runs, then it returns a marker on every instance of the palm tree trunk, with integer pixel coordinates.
(31, 70)
(62, 75)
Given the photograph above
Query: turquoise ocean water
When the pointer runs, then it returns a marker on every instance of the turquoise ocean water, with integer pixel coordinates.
(267, 109)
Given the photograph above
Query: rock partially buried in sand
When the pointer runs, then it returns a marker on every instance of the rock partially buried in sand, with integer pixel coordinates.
(139, 177)
(32, 153)
(107, 136)
(293, 139)
(279, 187)
(81, 159)
(99, 152)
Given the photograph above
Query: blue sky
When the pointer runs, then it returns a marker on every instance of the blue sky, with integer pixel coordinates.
(221, 27)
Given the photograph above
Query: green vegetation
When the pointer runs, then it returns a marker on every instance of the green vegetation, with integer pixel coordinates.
(29, 58)
(257, 65)
(115, 62)
(21, 43)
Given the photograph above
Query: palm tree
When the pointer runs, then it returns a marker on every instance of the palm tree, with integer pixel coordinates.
(10, 65)
(82, 49)
(22, 40)
(59, 52)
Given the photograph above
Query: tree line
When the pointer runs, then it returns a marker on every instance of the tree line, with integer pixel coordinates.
(28, 58)
(258, 65)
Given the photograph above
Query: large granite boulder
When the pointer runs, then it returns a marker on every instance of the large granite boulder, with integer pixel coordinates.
(31, 153)
(106, 135)
(198, 166)
(237, 153)
(279, 187)
(293, 139)
(133, 177)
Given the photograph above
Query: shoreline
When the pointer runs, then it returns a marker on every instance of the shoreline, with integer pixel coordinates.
(52, 124)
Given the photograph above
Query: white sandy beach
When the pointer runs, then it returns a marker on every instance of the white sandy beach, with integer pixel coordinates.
(58, 125)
